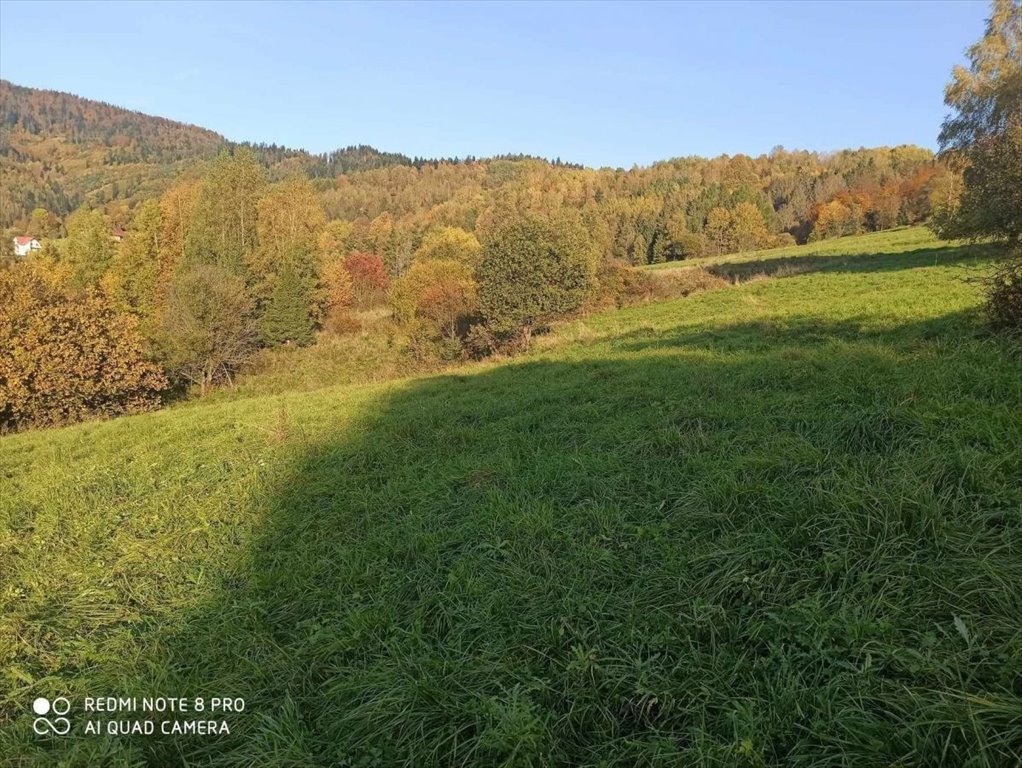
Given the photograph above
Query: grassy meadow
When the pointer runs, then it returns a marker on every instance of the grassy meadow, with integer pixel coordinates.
(778, 523)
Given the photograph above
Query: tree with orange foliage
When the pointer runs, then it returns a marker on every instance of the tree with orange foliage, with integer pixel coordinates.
(369, 279)
(833, 219)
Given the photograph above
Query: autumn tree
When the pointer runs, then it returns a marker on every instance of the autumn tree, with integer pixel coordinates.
(43, 224)
(135, 270)
(982, 137)
(284, 266)
(289, 222)
(178, 209)
(337, 285)
(89, 247)
(718, 229)
(833, 219)
(69, 356)
(223, 230)
(334, 242)
(369, 279)
(748, 230)
(451, 244)
(439, 291)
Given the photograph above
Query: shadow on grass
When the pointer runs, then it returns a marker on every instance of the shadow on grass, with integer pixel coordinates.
(787, 266)
(669, 560)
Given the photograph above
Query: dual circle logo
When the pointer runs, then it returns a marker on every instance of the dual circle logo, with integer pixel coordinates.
(51, 716)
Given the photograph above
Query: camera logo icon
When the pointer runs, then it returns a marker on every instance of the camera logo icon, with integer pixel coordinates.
(57, 724)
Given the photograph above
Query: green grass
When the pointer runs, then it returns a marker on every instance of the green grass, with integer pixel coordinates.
(774, 524)
(915, 244)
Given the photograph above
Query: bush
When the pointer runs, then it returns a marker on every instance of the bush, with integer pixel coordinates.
(68, 357)
(1004, 296)
(341, 323)
(608, 286)
(479, 342)
(425, 344)
(674, 283)
(534, 269)
(688, 245)
(206, 327)
(619, 285)
(441, 292)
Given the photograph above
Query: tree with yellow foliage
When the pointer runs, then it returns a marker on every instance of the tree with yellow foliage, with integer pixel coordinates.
(451, 244)
(70, 356)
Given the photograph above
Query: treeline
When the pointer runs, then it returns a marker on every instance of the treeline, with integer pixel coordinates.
(472, 256)
(58, 152)
(230, 263)
(678, 209)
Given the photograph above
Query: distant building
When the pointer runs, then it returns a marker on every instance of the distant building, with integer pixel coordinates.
(117, 235)
(24, 245)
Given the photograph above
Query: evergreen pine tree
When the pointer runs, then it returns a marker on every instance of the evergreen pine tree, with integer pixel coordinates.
(288, 318)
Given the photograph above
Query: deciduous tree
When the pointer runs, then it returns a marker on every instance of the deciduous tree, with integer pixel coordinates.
(68, 356)
(89, 247)
(369, 279)
(206, 326)
(452, 244)
(534, 269)
(440, 291)
(982, 137)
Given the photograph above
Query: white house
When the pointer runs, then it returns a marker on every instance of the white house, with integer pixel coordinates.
(22, 245)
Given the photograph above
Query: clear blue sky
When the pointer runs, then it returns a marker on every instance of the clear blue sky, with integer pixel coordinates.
(600, 84)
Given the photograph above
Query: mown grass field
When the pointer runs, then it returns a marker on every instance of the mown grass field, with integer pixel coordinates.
(775, 524)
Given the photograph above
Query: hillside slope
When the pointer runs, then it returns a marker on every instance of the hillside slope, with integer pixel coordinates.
(779, 523)
(59, 151)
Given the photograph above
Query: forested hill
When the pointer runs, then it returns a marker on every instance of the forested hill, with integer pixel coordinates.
(59, 151)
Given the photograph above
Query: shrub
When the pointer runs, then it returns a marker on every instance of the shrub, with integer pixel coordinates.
(68, 357)
(441, 292)
(534, 269)
(342, 322)
(608, 285)
(688, 245)
(369, 279)
(1004, 296)
(425, 344)
(673, 283)
(206, 327)
(479, 342)
(619, 285)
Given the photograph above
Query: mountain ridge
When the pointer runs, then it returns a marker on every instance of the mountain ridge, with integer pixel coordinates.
(59, 150)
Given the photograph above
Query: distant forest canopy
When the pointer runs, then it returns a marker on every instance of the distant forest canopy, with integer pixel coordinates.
(59, 152)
